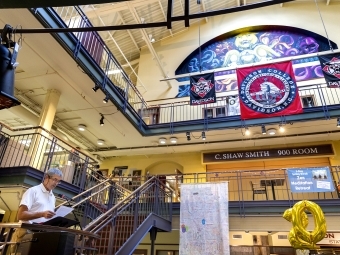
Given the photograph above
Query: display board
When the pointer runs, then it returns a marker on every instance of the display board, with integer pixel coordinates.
(204, 219)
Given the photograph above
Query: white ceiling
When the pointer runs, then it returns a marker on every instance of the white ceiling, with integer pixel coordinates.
(44, 64)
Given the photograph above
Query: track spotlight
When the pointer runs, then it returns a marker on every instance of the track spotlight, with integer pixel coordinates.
(263, 130)
(338, 123)
(281, 128)
(203, 136)
(101, 122)
(247, 131)
(81, 127)
(106, 99)
(100, 142)
(95, 88)
(188, 136)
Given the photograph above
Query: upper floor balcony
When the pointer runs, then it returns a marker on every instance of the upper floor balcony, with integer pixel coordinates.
(172, 115)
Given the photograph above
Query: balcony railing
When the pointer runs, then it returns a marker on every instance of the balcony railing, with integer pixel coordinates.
(273, 182)
(74, 17)
(312, 96)
(35, 147)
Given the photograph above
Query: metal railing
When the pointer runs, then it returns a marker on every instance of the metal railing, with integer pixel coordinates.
(37, 148)
(117, 224)
(95, 200)
(316, 95)
(274, 181)
(74, 17)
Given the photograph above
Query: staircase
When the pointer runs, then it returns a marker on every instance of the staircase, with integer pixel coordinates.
(96, 200)
(123, 226)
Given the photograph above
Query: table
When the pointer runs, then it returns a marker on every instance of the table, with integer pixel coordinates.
(272, 183)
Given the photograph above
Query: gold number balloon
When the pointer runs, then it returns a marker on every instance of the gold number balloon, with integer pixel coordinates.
(298, 236)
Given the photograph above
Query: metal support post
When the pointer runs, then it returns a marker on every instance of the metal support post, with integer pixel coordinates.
(153, 235)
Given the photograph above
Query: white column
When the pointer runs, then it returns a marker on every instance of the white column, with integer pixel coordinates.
(39, 142)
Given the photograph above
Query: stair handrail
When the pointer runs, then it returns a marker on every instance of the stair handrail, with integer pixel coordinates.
(131, 199)
(109, 212)
(85, 191)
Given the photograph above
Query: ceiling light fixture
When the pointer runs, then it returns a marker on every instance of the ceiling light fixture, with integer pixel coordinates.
(100, 142)
(271, 131)
(338, 123)
(81, 127)
(263, 130)
(95, 88)
(173, 139)
(247, 131)
(101, 122)
(162, 140)
(152, 40)
(203, 136)
(106, 99)
(282, 128)
(188, 136)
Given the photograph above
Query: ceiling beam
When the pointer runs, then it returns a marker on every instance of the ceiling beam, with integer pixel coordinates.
(156, 24)
(131, 36)
(168, 15)
(204, 9)
(120, 50)
(48, 3)
(148, 43)
(186, 13)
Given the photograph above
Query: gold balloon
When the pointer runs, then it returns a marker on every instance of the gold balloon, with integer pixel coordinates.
(298, 236)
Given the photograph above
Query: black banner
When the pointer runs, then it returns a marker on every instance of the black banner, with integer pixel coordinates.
(202, 89)
(225, 156)
(330, 65)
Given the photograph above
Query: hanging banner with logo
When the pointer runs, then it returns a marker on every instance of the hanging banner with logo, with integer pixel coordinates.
(330, 65)
(204, 219)
(202, 89)
(317, 179)
(268, 90)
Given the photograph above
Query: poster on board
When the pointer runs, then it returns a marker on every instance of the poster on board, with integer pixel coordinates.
(317, 179)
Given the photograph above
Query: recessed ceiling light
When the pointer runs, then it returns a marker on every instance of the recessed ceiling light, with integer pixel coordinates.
(173, 140)
(100, 142)
(81, 127)
(271, 131)
(162, 141)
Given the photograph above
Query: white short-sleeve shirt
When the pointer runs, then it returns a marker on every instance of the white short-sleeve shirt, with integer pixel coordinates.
(38, 199)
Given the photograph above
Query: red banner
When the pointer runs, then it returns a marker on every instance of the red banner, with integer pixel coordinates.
(267, 91)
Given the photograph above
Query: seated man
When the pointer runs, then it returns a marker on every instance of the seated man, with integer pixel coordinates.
(37, 204)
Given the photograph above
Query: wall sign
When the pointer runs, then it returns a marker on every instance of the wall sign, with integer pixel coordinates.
(331, 238)
(315, 150)
(310, 179)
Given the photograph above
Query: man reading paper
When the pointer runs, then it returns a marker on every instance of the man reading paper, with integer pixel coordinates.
(38, 203)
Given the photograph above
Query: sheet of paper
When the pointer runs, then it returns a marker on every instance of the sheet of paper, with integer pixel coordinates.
(62, 211)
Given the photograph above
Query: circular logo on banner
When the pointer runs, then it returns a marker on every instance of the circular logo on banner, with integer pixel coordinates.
(268, 90)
